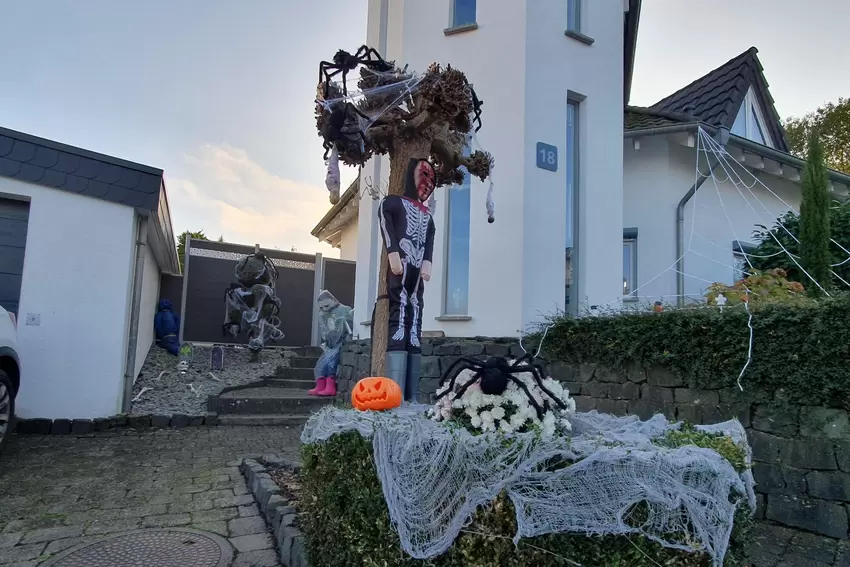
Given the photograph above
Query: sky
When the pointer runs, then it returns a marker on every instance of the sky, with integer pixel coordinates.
(219, 93)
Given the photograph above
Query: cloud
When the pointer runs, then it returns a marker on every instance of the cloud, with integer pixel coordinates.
(226, 193)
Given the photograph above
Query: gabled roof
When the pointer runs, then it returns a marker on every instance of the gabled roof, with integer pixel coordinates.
(716, 97)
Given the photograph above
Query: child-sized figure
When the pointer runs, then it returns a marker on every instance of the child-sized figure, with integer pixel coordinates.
(335, 323)
(408, 232)
(166, 323)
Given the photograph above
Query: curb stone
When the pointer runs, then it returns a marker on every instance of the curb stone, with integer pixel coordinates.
(277, 512)
(40, 426)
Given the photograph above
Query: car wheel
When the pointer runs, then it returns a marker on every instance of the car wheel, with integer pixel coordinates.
(7, 408)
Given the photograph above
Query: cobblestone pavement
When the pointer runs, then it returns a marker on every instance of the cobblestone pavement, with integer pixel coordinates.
(60, 491)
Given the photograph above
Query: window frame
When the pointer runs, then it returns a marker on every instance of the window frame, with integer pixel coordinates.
(467, 185)
(573, 188)
(453, 23)
(753, 120)
(574, 25)
(739, 254)
(630, 280)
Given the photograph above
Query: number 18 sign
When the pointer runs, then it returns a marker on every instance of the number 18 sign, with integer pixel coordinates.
(547, 156)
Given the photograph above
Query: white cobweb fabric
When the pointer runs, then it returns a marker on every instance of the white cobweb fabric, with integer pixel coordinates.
(435, 477)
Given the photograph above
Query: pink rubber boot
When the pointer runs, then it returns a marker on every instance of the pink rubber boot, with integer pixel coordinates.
(330, 387)
(321, 384)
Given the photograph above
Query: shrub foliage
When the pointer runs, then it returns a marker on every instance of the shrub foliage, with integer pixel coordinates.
(799, 350)
(347, 524)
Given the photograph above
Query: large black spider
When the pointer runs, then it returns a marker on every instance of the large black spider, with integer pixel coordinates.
(343, 62)
(495, 373)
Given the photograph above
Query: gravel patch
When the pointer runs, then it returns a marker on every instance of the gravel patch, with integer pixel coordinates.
(172, 392)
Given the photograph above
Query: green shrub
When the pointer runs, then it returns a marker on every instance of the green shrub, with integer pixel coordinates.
(799, 351)
(347, 524)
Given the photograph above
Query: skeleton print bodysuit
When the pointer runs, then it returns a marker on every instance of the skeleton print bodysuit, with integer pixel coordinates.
(408, 229)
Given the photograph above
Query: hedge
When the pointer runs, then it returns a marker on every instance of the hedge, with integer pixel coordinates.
(346, 522)
(800, 352)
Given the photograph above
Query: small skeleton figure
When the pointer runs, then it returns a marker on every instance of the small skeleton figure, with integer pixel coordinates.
(408, 233)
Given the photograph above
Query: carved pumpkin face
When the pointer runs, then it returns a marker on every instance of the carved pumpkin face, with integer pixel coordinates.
(376, 394)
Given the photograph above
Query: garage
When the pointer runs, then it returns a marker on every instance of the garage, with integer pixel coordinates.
(14, 216)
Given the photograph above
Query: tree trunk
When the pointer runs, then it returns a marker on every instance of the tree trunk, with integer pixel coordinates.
(403, 151)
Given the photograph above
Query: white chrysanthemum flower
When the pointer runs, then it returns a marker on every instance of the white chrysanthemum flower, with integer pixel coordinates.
(476, 421)
(498, 412)
(486, 416)
(565, 423)
(446, 413)
(506, 427)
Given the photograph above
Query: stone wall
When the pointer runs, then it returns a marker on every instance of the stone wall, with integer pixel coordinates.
(801, 454)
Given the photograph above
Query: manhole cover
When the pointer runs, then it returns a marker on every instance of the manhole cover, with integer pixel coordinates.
(175, 547)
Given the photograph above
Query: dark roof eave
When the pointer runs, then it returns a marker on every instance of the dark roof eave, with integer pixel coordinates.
(335, 210)
(630, 45)
(743, 143)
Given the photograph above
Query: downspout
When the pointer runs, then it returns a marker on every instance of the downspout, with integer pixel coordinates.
(722, 138)
(132, 342)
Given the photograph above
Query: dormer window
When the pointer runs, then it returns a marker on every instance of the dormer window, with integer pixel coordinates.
(749, 123)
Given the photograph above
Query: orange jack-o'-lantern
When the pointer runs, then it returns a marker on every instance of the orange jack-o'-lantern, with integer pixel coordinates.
(376, 394)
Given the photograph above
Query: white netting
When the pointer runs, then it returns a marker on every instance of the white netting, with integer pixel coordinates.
(434, 477)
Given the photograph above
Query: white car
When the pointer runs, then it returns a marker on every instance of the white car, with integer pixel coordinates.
(10, 373)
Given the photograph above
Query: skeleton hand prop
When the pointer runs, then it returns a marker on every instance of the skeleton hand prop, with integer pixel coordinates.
(395, 263)
(426, 270)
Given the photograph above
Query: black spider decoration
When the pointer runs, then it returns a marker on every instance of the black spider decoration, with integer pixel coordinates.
(343, 62)
(477, 103)
(495, 373)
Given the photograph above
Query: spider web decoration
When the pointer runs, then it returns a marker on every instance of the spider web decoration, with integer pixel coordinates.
(389, 105)
(749, 200)
(434, 478)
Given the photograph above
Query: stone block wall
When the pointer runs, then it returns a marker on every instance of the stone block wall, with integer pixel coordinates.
(801, 454)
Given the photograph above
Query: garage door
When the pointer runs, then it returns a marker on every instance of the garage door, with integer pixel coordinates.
(13, 240)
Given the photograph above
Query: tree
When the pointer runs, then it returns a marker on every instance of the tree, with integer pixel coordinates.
(833, 122)
(426, 117)
(814, 216)
(221, 238)
(181, 244)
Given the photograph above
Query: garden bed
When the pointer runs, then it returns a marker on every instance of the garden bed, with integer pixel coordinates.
(343, 495)
(186, 393)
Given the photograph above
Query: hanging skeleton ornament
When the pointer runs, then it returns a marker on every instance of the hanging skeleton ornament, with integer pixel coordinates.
(408, 232)
(251, 303)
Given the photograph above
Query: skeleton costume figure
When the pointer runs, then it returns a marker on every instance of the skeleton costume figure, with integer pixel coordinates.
(335, 323)
(408, 232)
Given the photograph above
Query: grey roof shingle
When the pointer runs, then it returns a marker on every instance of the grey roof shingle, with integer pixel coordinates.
(45, 162)
(716, 97)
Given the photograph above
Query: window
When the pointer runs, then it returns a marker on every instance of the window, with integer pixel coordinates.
(749, 122)
(572, 205)
(740, 267)
(463, 13)
(630, 266)
(574, 15)
(456, 300)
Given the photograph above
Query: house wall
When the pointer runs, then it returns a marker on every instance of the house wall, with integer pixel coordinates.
(657, 176)
(150, 299)
(348, 241)
(77, 279)
(526, 47)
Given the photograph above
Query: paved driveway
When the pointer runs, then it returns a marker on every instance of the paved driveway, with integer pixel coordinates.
(60, 491)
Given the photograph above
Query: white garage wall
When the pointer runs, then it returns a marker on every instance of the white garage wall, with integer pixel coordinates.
(77, 281)
(147, 310)
(348, 241)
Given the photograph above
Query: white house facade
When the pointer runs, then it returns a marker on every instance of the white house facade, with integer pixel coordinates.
(626, 206)
(83, 241)
(549, 72)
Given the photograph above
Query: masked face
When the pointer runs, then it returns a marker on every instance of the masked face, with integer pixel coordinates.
(326, 305)
(425, 178)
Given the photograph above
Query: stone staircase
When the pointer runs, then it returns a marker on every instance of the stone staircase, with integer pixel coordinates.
(281, 399)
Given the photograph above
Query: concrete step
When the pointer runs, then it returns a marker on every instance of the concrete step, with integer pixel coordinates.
(263, 419)
(268, 399)
(309, 351)
(289, 383)
(303, 362)
(294, 373)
